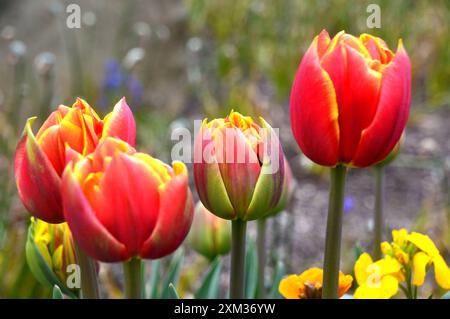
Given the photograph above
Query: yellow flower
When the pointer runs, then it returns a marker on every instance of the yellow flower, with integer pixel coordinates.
(400, 237)
(427, 255)
(399, 248)
(308, 285)
(49, 250)
(377, 280)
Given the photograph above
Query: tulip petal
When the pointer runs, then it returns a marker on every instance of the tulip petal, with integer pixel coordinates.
(420, 263)
(380, 137)
(239, 167)
(174, 218)
(54, 119)
(87, 230)
(208, 179)
(127, 202)
(314, 117)
(53, 146)
(120, 123)
(357, 89)
(269, 187)
(37, 181)
(72, 130)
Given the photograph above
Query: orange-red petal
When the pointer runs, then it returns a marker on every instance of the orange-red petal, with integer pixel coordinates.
(314, 117)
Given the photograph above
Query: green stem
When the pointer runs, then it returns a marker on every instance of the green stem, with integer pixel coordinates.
(237, 276)
(378, 213)
(333, 235)
(261, 245)
(89, 284)
(132, 273)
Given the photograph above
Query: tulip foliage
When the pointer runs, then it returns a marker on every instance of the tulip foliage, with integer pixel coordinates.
(94, 198)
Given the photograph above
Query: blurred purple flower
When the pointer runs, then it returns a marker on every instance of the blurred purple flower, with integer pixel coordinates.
(348, 204)
(116, 83)
(135, 88)
(113, 76)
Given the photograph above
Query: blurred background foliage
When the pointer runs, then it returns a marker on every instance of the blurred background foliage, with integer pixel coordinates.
(177, 61)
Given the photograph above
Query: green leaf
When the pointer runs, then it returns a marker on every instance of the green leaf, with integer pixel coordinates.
(57, 294)
(173, 273)
(278, 275)
(154, 279)
(210, 286)
(445, 296)
(172, 291)
(143, 266)
(251, 271)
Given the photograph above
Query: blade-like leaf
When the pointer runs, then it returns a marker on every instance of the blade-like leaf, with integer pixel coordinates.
(173, 273)
(210, 286)
(173, 294)
(143, 266)
(251, 271)
(154, 279)
(278, 275)
(57, 294)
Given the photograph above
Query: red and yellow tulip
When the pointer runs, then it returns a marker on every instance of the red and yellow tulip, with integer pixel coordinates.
(350, 99)
(40, 159)
(236, 175)
(121, 204)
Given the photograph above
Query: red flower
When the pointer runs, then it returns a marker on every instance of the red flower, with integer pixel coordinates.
(121, 204)
(350, 99)
(40, 160)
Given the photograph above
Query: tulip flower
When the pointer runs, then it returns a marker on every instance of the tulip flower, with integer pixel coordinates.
(349, 105)
(308, 285)
(49, 252)
(210, 235)
(233, 176)
(377, 280)
(239, 174)
(350, 99)
(132, 204)
(40, 159)
(122, 205)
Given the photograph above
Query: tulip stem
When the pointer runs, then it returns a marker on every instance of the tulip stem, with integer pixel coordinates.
(237, 277)
(88, 272)
(132, 273)
(378, 214)
(261, 245)
(334, 232)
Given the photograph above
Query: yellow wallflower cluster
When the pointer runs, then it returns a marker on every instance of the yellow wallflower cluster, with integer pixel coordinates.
(406, 260)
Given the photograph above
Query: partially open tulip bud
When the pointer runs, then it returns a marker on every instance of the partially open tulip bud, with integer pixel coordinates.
(210, 235)
(40, 159)
(122, 204)
(50, 254)
(238, 167)
(350, 99)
